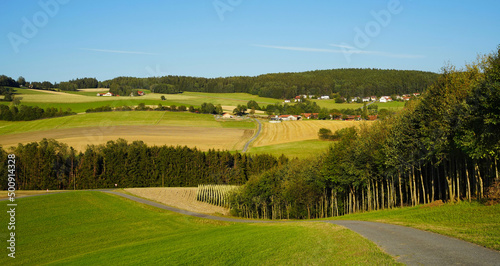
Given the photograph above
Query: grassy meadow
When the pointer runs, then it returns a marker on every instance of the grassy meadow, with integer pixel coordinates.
(472, 222)
(299, 149)
(96, 228)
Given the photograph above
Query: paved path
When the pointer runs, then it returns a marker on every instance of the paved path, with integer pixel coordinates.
(408, 245)
(415, 247)
(254, 137)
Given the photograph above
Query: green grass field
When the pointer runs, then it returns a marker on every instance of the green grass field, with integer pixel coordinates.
(80, 101)
(300, 149)
(96, 228)
(122, 118)
(472, 222)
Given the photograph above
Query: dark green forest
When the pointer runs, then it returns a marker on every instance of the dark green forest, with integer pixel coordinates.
(345, 82)
(49, 164)
(444, 146)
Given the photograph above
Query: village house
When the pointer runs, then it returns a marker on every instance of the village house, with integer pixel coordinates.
(325, 97)
(227, 115)
(286, 101)
(373, 98)
(140, 93)
(385, 99)
(105, 94)
(354, 99)
(310, 115)
(289, 117)
(298, 99)
(366, 99)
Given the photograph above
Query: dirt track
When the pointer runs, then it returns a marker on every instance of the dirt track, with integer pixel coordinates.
(79, 138)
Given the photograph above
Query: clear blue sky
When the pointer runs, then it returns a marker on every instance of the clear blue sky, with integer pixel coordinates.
(207, 38)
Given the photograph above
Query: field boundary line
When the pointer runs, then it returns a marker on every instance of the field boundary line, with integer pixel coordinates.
(157, 122)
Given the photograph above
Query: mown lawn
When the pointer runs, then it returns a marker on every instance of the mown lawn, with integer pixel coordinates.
(300, 149)
(96, 228)
(472, 222)
(122, 118)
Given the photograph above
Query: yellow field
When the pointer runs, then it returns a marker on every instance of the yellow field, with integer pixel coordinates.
(182, 198)
(293, 131)
(79, 138)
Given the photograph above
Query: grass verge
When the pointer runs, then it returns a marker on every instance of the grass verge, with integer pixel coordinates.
(98, 228)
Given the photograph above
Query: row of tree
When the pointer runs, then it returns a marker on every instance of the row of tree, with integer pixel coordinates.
(76, 84)
(346, 82)
(49, 164)
(28, 113)
(444, 146)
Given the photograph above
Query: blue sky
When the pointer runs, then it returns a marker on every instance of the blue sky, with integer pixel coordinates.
(58, 40)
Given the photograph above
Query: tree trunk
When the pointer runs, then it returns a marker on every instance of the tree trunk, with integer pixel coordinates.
(369, 195)
(400, 190)
(480, 182)
(423, 185)
(449, 182)
(382, 197)
(468, 181)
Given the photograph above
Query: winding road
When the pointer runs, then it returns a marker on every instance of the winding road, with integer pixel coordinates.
(407, 245)
(254, 137)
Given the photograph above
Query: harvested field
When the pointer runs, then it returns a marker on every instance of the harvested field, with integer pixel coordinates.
(94, 90)
(292, 131)
(79, 138)
(182, 198)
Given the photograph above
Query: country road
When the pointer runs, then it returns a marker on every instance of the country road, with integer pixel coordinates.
(254, 137)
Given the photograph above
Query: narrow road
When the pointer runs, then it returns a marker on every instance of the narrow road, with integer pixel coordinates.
(407, 245)
(254, 137)
(415, 247)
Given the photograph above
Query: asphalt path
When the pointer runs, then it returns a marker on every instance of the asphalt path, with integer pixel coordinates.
(407, 245)
(416, 247)
(254, 137)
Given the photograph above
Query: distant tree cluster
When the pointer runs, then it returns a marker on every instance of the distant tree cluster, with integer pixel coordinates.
(49, 164)
(8, 81)
(76, 84)
(28, 113)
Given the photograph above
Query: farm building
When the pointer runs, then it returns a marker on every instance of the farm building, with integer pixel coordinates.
(289, 117)
(324, 97)
(287, 101)
(227, 115)
(140, 93)
(105, 94)
(309, 115)
(385, 99)
(366, 99)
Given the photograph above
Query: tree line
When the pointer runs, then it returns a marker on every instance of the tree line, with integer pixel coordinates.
(346, 82)
(49, 164)
(444, 146)
(28, 113)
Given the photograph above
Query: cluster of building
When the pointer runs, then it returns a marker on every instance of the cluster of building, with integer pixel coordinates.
(382, 99)
(315, 116)
(385, 99)
(299, 98)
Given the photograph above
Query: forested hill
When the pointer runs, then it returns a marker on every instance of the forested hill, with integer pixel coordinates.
(346, 82)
